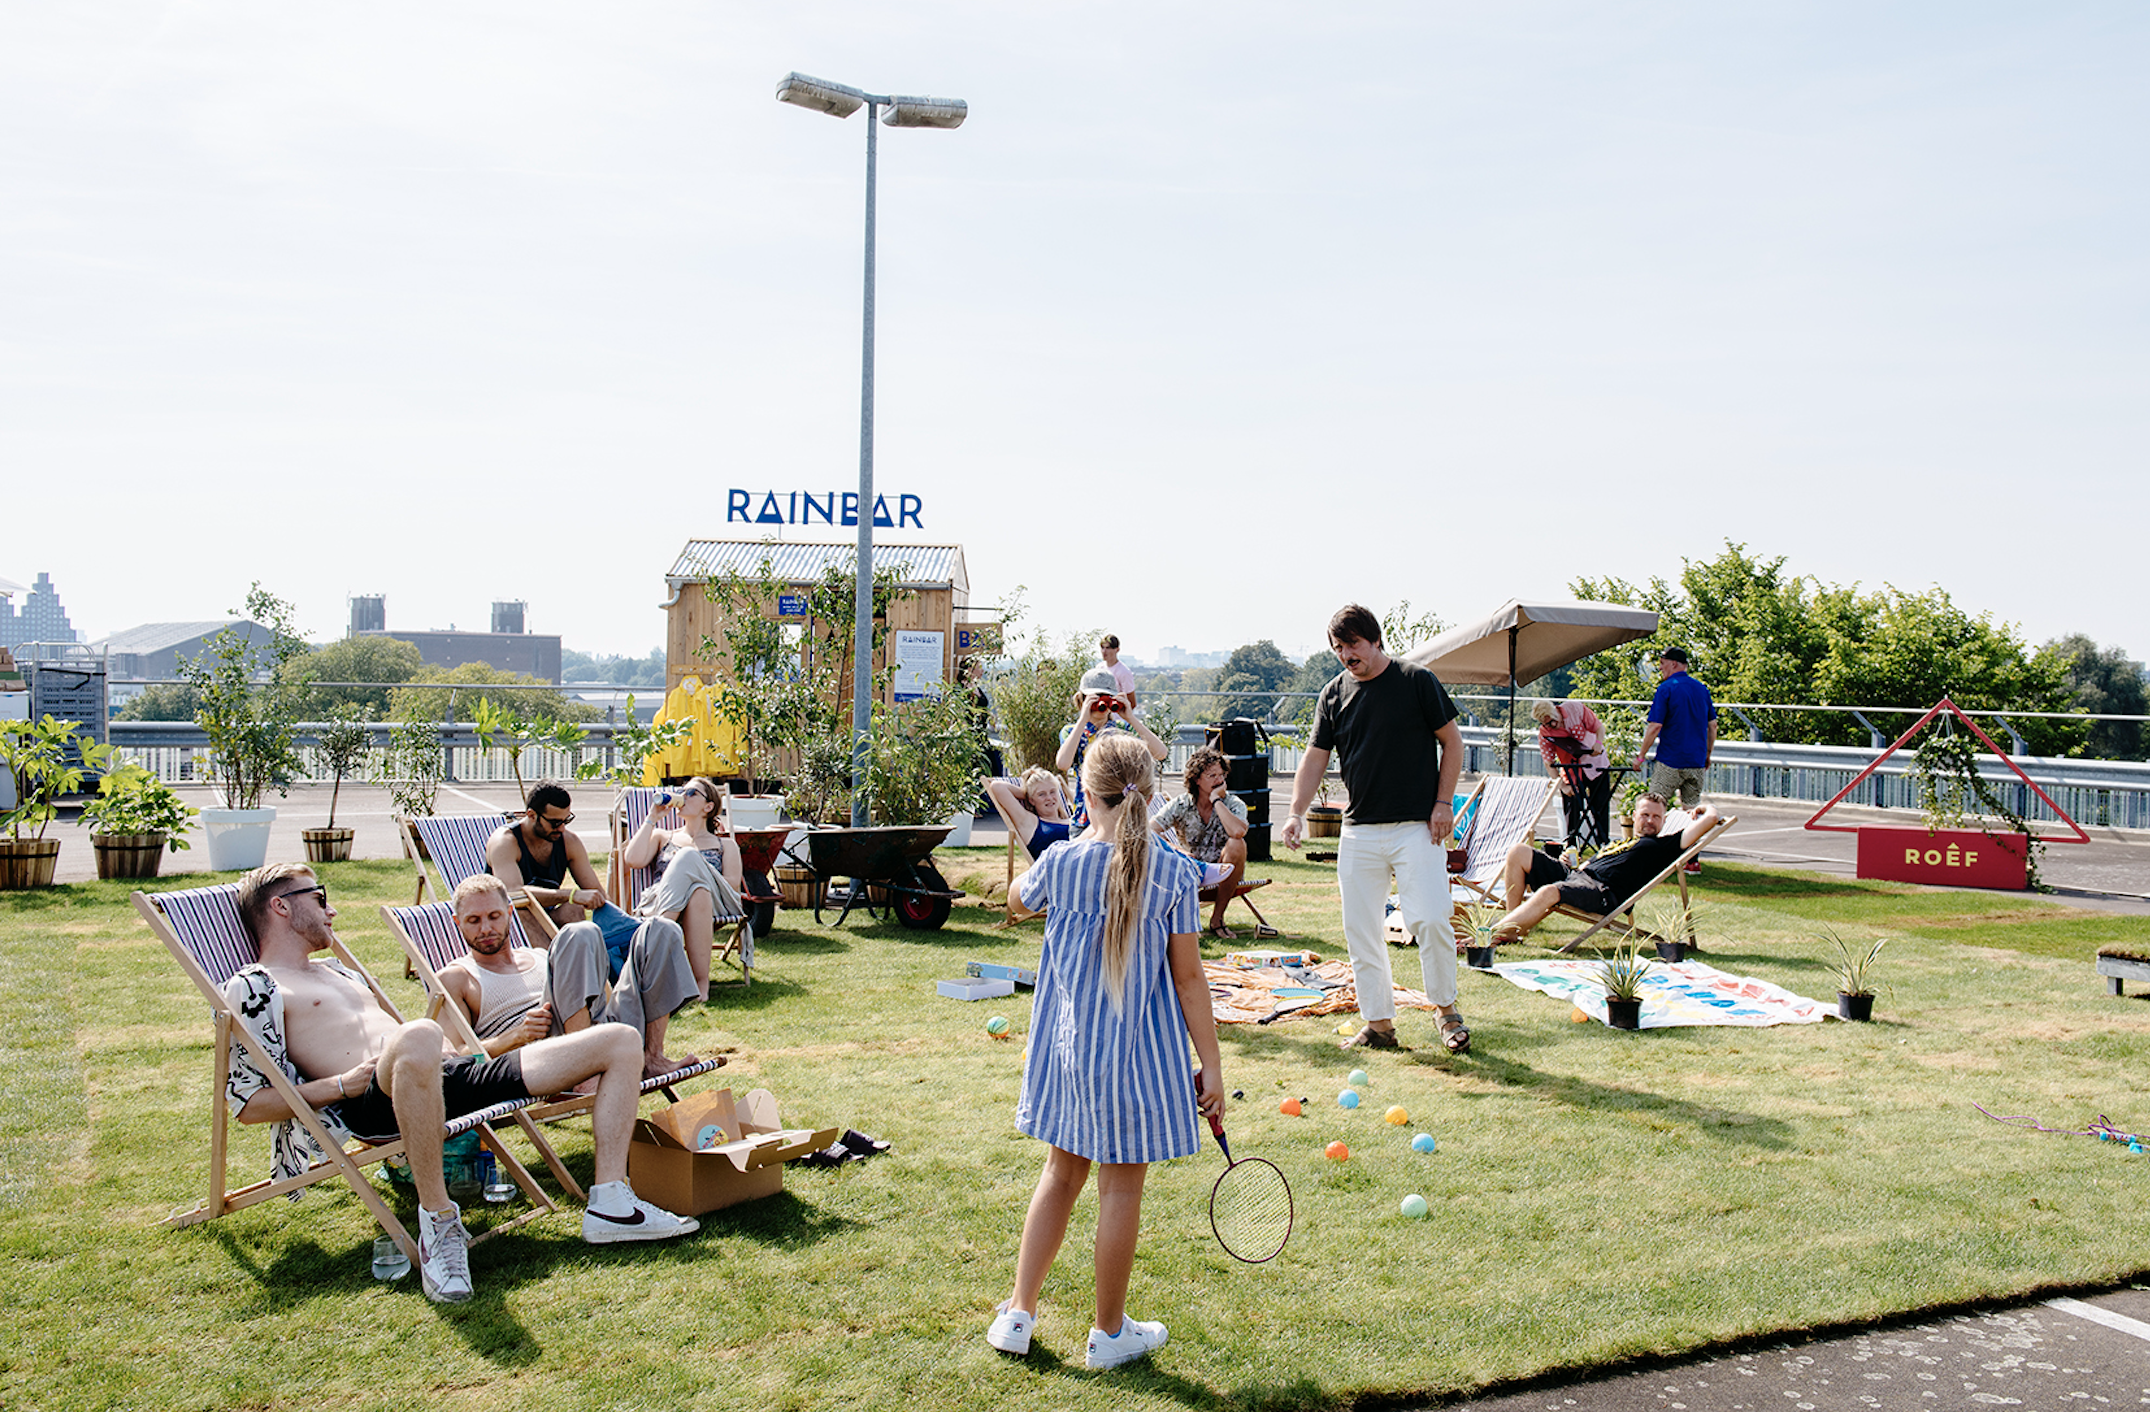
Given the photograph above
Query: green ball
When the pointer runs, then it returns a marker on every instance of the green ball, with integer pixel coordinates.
(1358, 1079)
(1414, 1205)
(996, 1026)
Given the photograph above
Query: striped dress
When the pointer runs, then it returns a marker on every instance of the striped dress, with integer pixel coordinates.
(1112, 1087)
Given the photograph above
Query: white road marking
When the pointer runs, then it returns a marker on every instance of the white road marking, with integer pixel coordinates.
(2107, 1317)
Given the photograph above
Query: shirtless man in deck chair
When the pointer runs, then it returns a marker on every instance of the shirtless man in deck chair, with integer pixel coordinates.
(374, 1078)
(1605, 883)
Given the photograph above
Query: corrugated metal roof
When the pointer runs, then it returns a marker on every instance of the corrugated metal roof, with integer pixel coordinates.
(156, 637)
(920, 565)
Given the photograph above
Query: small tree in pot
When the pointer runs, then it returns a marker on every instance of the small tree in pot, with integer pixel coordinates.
(343, 744)
(133, 819)
(410, 767)
(47, 759)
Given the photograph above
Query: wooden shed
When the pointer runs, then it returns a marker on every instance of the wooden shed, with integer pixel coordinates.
(936, 600)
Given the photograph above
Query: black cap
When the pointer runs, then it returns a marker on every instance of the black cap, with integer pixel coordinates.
(1674, 654)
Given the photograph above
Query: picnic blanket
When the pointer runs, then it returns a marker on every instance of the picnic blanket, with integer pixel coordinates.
(1688, 993)
(1260, 995)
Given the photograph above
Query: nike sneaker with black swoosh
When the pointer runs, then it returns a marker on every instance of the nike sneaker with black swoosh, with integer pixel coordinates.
(604, 1223)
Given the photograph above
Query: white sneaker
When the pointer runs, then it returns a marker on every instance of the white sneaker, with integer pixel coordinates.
(1134, 1340)
(444, 1255)
(1010, 1330)
(640, 1221)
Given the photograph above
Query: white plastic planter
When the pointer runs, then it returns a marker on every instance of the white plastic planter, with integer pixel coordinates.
(238, 838)
(959, 822)
(755, 811)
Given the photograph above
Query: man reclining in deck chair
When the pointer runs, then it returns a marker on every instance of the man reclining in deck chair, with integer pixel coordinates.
(1601, 885)
(516, 995)
(373, 1078)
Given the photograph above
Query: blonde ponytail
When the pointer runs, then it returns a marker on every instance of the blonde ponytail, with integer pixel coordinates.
(1118, 773)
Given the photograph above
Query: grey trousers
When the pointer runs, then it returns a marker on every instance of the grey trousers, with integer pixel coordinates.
(655, 980)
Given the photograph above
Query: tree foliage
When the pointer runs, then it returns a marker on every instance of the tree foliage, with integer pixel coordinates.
(1035, 697)
(425, 696)
(1255, 667)
(387, 660)
(2105, 682)
(1756, 634)
(163, 701)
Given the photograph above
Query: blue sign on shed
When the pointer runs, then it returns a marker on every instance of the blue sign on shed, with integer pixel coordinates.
(791, 605)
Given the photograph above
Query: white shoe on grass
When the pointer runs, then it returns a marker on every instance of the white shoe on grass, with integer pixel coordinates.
(1135, 1339)
(616, 1214)
(1010, 1330)
(444, 1255)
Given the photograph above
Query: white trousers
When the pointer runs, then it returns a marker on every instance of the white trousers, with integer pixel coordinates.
(1367, 856)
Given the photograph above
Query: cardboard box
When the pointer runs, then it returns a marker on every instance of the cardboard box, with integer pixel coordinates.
(709, 1151)
(975, 988)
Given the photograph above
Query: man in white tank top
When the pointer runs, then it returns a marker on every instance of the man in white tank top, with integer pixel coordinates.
(516, 995)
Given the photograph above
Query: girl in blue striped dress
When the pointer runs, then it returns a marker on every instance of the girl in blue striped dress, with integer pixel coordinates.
(1107, 1079)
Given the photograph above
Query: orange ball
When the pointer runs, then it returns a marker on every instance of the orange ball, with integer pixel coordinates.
(1338, 1152)
(1289, 1107)
(1577, 1016)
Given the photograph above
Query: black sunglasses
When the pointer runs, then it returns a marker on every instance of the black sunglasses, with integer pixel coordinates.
(318, 891)
(556, 823)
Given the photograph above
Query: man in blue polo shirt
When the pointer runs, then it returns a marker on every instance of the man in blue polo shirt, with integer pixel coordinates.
(1683, 726)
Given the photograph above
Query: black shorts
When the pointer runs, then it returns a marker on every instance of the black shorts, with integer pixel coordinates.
(468, 1082)
(1577, 888)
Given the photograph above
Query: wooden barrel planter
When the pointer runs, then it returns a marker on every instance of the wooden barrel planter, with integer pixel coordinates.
(328, 845)
(801, 890)
(1324, 821)
(128, 855)
(28, 862)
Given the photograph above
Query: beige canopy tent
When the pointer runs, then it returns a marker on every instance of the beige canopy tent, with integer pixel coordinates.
(1521, 642)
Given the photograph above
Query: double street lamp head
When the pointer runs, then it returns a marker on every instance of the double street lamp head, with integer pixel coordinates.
(840, 100)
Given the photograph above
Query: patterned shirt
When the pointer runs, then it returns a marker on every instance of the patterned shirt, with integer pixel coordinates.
(1202, 838)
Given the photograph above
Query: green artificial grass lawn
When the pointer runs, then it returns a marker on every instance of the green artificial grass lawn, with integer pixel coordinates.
(1596, 1195)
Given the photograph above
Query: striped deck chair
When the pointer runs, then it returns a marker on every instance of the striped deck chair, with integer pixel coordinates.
(1502, 811)
(202, 930)
(1621, 921)
(634, 806)
(457, 843)
(432, 941)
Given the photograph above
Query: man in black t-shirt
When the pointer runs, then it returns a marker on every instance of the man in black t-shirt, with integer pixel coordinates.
(1394, 730)
(1603, 883)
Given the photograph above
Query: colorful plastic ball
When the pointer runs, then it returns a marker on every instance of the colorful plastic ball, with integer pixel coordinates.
(1396, 1115)
(1358, 1079)
(1414, 1205)
(1577, 1016)
(997, 1026)
(1349, 1098)
(1289, 1107)
(1423, 1143)
(1337, 1152)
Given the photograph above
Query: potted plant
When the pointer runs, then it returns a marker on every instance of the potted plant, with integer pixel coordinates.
(411, 768)
(133, 819)
(47, 759)
(1324, 820)
(1621, 971)
(344, 744)
(1473, 924)
(247, 704)
(1854, 997)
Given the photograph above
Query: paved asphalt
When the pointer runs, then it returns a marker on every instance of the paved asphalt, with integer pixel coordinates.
(2092, 1350)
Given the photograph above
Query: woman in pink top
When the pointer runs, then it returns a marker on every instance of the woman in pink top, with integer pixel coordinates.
(1572, 740)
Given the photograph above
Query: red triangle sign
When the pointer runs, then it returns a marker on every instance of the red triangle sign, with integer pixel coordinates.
(1944, 704)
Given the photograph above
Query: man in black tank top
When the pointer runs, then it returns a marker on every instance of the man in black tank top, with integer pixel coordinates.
(539, 855)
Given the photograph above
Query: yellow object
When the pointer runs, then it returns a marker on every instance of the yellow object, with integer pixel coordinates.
(1397, 1115)
(710, 748)
(1347, 1028)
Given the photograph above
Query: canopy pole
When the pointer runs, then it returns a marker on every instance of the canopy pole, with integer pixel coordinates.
(1512, 632)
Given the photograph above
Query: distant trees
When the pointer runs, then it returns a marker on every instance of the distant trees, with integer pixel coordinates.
(426, 695)
(1757, 634)
(388, 660)
(1255, 667)
(610, 670)
(2105, 682)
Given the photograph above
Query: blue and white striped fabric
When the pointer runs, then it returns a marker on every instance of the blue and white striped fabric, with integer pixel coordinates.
(457, 842)
(1112, 1086)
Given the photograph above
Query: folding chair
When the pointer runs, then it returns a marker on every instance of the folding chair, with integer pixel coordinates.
(1612, 921)
(457, 844)
(202, 929)
(432, 942)
(634, 805)
(1013, 912)
(1262, 930)
(1503, 811)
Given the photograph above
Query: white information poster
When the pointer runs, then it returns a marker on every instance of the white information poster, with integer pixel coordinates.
(918, 663)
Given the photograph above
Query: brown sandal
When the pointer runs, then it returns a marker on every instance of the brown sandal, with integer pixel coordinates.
(1455, 1035)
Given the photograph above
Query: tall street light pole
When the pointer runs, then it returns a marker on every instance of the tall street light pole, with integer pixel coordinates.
(841, 101)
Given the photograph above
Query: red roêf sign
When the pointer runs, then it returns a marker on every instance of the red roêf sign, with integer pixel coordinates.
(1948, 857)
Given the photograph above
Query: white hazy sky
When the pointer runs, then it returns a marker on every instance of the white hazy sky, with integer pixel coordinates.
(1209, 319)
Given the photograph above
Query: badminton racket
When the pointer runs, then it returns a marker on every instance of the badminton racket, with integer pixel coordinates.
(1250, 1207)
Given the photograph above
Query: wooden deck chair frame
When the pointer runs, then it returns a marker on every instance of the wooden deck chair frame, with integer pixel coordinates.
(1627, 929)
(1013, 912)
(1488, 841)
(630, 807)
(226, 956)
(1262, 930)
(424, 930)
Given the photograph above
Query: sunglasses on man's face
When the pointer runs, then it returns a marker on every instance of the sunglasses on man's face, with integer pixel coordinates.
(318, 891)
(556, 824)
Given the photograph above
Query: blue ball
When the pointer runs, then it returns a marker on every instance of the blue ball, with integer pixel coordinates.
(1423, 1143)
(1347, 1099)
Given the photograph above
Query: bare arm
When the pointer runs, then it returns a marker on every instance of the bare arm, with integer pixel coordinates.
(1064, 758)
(1234, 825)
(1443, 821)
(268, 1106)
(1709, 751)
(1184, 952)
(648, 840)
(1698, 827)
(1312, 766)
(1009, 800)
(578, 867)
(1149, 737)
(1649, 738)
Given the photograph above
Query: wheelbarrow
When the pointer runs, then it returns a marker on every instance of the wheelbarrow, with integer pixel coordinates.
(894, 858)
(758, 850)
